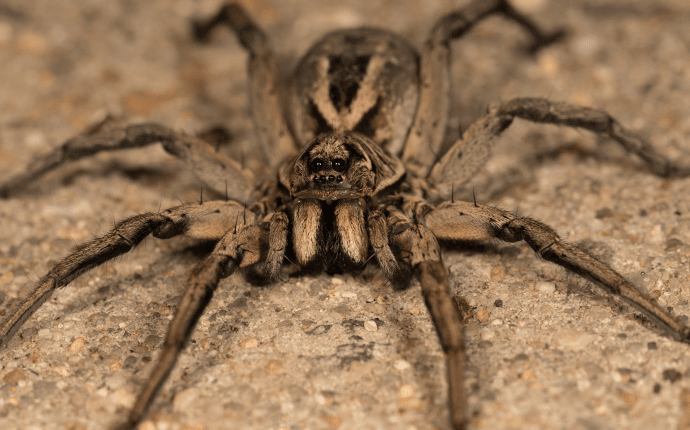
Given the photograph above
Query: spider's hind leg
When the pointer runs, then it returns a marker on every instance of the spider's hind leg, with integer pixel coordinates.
(426, 136)
(471, 152)
(267, 113)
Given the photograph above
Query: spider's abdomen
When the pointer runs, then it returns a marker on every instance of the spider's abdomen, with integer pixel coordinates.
(363, 80)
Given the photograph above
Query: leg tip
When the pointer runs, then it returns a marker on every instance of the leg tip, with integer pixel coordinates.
(546, 40)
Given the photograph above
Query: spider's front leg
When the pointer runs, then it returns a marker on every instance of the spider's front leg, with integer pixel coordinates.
(241, 247)
(465, 221)
(418, 250)
(204, 221)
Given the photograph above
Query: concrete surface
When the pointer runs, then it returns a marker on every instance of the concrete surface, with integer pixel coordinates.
(545, 349)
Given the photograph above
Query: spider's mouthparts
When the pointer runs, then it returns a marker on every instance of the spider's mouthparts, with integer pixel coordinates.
(329, 191)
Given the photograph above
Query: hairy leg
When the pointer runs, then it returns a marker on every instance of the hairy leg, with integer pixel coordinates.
(465, 221)
(269, 121)
(206, 221)
(426, 136)
(470, 153)
(241, 247)
(277, 245)
(417, 248)
(219, 172)
(203, 281)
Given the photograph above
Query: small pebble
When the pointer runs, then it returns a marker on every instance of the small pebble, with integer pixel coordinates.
(629, 398)
(482, 316)
(152, 340)
(497, 274)
(123, 398)
(370, 326)
(249, 343)
(401, 365)
(14, 377)
(184, 399)
(406, 391)
(546, 287)
(274, 366)
(342, 309)
(77, 344)
(333, 421)
(115, 381)
(671, 375)
(61, 370)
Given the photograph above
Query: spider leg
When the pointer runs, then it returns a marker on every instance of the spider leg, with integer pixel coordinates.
(269, 121)
(277, 243)
(378, 237)
(240, 247)
(212, 167)
(465, 221)
(208, 221)
(418, 250)
(426, 136)
(202, 283)
(471, 152)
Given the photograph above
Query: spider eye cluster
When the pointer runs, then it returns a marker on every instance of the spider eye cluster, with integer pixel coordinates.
(339, 165)
(316, 165)
(326, 171)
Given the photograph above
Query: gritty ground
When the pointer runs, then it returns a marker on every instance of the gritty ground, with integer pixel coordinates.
(545, 348)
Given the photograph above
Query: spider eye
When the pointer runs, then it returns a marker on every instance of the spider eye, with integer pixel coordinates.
(316, 165)
(339, 164)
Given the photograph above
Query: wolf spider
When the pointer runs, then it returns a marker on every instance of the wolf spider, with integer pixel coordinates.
(356, 178)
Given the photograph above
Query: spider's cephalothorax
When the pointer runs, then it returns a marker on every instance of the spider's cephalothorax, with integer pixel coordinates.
(359, 176)
(332, 182)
